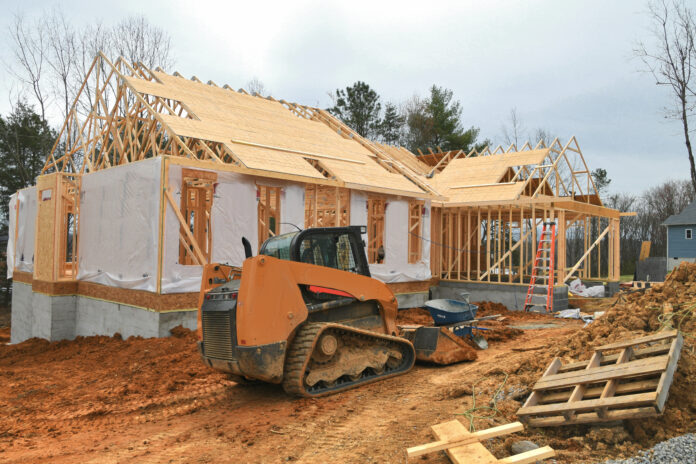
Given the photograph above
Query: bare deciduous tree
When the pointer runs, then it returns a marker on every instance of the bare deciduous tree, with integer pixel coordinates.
(62, 57)
(542, 134)
(93, 39)
(30, 47)
(52, 60)
(671, 60)
(513, 133)
(138, 41)
(256, 87)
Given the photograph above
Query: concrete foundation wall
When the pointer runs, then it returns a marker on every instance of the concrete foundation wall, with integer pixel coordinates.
(21, 319)
(510, 295)
(675, 262)
(412, 300)
(652, 269)
(65, 317)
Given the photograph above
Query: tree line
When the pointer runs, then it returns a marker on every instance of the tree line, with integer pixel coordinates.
(419, 123)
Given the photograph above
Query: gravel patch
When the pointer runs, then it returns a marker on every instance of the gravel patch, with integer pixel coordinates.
(675, 450)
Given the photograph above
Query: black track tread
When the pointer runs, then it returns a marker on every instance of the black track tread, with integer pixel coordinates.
(301, 350)
(298, 356)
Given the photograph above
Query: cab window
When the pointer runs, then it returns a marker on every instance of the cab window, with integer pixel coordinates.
(334, 251)
(278, 247)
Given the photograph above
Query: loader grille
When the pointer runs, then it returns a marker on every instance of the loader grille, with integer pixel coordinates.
(217, 335)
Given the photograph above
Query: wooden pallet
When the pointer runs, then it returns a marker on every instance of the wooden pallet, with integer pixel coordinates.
(632, 382)
(463, 446)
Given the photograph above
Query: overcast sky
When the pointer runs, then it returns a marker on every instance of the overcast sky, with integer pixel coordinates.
(566, 66)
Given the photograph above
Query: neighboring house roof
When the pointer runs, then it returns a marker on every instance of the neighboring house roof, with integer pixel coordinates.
(686, 217)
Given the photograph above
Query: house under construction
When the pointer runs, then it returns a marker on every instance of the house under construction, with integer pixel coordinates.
(154, 175)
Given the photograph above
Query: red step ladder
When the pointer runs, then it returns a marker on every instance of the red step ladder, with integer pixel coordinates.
(543, 271)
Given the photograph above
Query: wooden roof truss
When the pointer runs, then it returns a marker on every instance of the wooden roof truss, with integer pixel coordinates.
(133, 114)
(562, 173)
(124, 126)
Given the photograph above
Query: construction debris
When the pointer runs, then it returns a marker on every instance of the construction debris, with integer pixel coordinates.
(463, 446)
(576, 287)
(630, 384)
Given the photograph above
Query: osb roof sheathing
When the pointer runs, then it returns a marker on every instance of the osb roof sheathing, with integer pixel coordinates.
(407, 158)
(473, 179)
(266, 136)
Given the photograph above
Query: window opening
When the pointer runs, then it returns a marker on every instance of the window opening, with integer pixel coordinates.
(326, 206)
(376, 208)
(268, 199)
(415, 228)
(197, 192)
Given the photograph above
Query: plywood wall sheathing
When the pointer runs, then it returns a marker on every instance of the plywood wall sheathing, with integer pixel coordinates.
(45, 256)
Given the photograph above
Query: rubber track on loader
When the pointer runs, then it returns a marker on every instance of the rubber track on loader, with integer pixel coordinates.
(302, 347)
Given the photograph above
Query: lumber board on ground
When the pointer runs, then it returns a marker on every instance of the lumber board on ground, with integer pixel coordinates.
(637, 353)
(593, 417)
(474, 453)
(638, 399)
(474, 437)
(595, 392)
(629, 369)
(637, 341)
(666, 378)
(529, 456)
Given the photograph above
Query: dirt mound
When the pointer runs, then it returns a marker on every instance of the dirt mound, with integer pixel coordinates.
(488, 308)
(498, 334)
(93, 376)
(414, 316)
(634, 314)
(630, 315)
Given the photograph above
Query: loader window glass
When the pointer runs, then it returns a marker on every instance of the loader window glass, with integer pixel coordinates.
(279, 247)
(329, 250)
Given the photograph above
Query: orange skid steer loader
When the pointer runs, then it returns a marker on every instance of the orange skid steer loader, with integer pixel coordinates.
(306, 313)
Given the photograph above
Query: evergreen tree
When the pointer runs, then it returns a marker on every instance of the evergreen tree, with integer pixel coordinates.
(25, 142)
(359, 107)
(436, 121)
(447, 127)
(391, 127)
(601, 180)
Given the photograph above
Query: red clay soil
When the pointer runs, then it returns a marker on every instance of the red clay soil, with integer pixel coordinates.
(152, 400)
(488, 308)
(414, 316)
(101, 399)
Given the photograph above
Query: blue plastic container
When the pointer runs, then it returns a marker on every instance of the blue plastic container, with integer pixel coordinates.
(446, 312)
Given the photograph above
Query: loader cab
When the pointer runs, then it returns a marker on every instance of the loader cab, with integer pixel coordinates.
(336, 247)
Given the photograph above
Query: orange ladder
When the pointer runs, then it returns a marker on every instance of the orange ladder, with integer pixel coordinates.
(543, 270)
